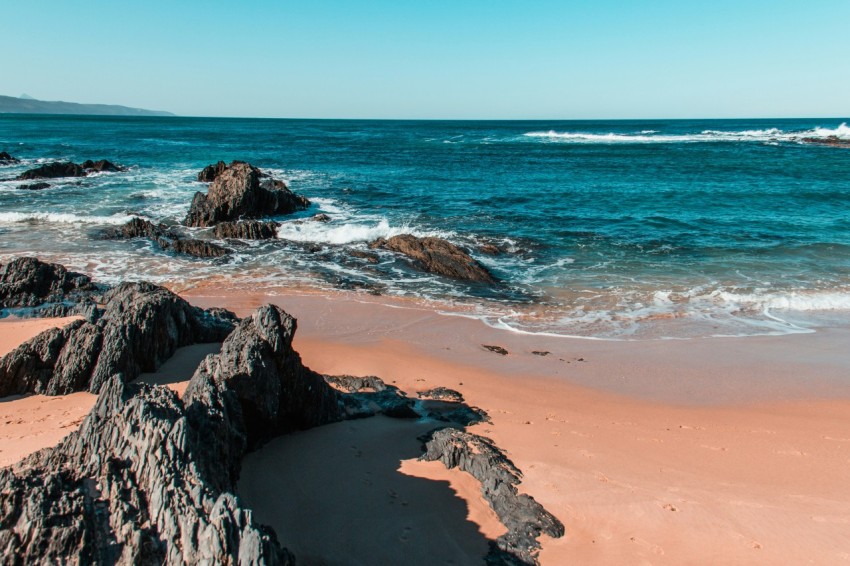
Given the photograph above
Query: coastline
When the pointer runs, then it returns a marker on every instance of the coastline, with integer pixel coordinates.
(710, 451)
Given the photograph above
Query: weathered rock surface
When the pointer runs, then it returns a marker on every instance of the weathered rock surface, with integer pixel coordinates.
(53, 170)
(210, 172)
(436, 255)
(139, 328)
(441, 394)
(241, 191)
(101, 166)
(6, 159)
(165, 238)
(28, 282)
(832, 141)
(34, 186)
(247, 230)
(524, 517)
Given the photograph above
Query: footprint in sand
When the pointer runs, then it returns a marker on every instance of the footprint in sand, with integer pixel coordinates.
(715, 448)
(647, 545)
(669, 507)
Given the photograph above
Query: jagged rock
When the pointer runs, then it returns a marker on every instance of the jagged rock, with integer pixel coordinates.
(192, 247)
(34, 186)
(371, 258)
(524, 517)
(28, 282)
(277, 393)
(441, 394)
(6, 159)
(242, 191)
(832, 141)
(140, 327)
(437, 256)
(247, 230)
(133, 486)
(210, 172)
(369, 396)
(100, 166)
(489, 249)
(135, 228)
(53, 170)
(320, 218)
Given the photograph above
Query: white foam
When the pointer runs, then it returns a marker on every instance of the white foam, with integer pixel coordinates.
(62, 218)
(770, 135)
(348, 233)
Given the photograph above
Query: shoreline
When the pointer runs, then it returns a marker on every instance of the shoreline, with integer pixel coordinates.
(683, 457)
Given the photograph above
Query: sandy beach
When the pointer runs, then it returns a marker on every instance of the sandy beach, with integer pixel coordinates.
(708, 451)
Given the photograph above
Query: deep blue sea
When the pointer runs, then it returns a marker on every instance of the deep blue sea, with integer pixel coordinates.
(611, 229)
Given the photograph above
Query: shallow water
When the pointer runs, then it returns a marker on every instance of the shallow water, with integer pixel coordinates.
(626, 229)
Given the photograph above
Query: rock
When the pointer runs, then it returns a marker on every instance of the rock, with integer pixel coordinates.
(242, 191)
(6, 159)
(524, 518)
(371, 258)
(192, 247)
(441, 394)
(139, 328)
(53, 170)
(276, 392)
(832, 141)
(495, 349)
(135, 228)
(247, 230)
(541, 353)
(101, 166)
(489, 249)
(320, 218)
(369, 396)
(34, 186)
(28, 282)
(436, 255)
(210, 172)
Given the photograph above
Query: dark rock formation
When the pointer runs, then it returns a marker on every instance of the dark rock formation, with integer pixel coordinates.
(139, 328)
(28, 282)
(832, 141)
(242, 191)
(369, 396)
(542, 353)
(34, 186)
(371, 258)
(165, 238)
(320, 218)
(441, 394)
(247, 230)
(524, 517)
(6, 159)
(192, 247)
(489, 249)
(53, 170)
(101, 166)
(437, 256)
(495, 349)
(210, 172)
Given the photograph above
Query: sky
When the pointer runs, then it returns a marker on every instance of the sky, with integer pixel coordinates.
(440, 59)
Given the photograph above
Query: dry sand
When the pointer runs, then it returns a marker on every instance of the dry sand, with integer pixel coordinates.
(715, 451)
(33, 422)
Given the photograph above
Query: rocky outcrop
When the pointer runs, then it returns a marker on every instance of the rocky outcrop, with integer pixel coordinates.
(28, 282)
(441, 394)
(139, 328)
(436, 255)
(247, 230)
(165, 238)
(34, 186)
(524, 517)
(59, 169)
(831, 141)
(210, 172)
(241, 191)
(6, 159)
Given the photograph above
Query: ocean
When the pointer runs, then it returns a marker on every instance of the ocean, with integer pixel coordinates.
(609, 229)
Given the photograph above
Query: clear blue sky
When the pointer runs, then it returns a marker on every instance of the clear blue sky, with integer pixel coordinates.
(435, 58)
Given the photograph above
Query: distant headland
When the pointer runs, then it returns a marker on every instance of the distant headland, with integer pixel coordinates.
(28, 105)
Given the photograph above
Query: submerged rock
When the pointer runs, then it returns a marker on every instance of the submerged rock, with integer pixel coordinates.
(34, 186)
(247, 230)
(524, 517)
(29, 282)
(6, 159)
(53, 170)
(139, 328)
(832, 141)
(371, 258)
(192, 247)
(436, 255)
(165, 238)
(241, 191)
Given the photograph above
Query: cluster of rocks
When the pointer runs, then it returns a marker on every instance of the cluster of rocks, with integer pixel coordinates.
(149, 478)
(167, 238)
(62, 169)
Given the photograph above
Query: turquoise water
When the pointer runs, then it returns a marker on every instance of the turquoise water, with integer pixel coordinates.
(611, 229)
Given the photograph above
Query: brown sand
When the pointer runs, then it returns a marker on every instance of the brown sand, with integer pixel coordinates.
(716, 451)
(33, 422)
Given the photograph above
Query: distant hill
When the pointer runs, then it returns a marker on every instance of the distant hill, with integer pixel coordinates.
(12, 105)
